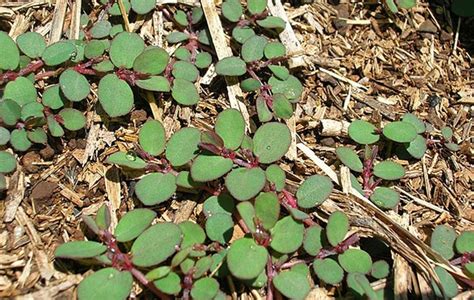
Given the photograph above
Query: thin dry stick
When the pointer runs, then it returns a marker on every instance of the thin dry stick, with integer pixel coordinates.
(75, 20)
(124, 15)
(222, 51)
(58, 21)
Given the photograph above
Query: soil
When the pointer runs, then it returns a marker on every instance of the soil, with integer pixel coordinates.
(416, 61)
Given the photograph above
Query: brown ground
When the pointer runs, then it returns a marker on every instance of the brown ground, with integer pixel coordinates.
(411, 62)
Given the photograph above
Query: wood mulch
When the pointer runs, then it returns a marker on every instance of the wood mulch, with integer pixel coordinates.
(355, 60)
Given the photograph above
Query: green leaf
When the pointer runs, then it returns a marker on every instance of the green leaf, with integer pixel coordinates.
(183, 146)
(244, 184)
(250, 85)
(246, 259)
(79, 249)
(158, 273)
(177, 37)
(21, 90)
(230, 126)
(182, 53)
(7, 162)
(241, 34)
(107, 284)
(155, 84)
(274, 49)
(337, 228)
(19, 140)
(355, 261)
(73, 119)
(448, 283)
(133, 223)
(4, 136)
(184, 180)
(202, 266)
(74, 85)
(247, 213)
(128, 160)
(360, 286)
(116, 29)
(170, 284)
(145, 252)
(267, 209)
(380, 269)
(263, 112)
(10, 112)
(287, 235)
(391, 6)
(203, 60)
(280, 71)
(465, 242)
(32, 44)
(197, 15)
(292, 284)
(54, 127)
(125, 48)
(413, 120)
(401, 132)
(221, 204)
(328, 270)
(184, 92)
(220, 227)
(349, 158)
(313, 191)
(232, 10)
(204, 37)
(208, 167)
(103, 218)
(363, 132)
(447, 133)
(389, 170)
(38, 136)
(181, 18)
(9, 54)
(58, 53)
(272, 23)
(142, 7)
(101, 29)
(32, 110)
(313, 240)
(442, 241)
(192, 234)
(385, 197)
(115, 96)
(276, 176)
(417, 147)
(152, 61)
(152, 137)
(149, 195)
(256, 6)
(185, 70)
(104, 66)
(467, 268)
(282, 107)
(406, 3)
(231, 66)
(205, 288)
(271, 142)
(462, 8)
(252, 49)
(53, 98)
(291, 87)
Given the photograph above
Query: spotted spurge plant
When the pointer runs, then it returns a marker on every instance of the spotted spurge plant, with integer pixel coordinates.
(407, 137)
